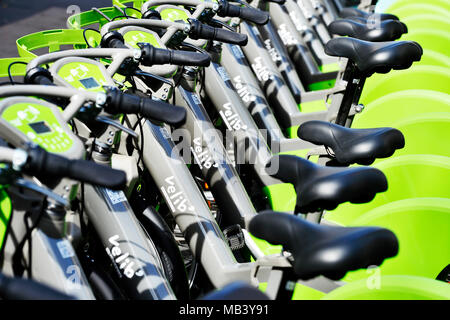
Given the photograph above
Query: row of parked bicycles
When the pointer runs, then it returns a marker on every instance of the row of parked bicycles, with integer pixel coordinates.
(213, 149)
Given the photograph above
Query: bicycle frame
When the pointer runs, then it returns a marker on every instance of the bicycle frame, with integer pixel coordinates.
(195, 220)
(112, 218)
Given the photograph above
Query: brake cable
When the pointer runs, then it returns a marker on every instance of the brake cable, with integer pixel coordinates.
(84, 35)
(9, 70)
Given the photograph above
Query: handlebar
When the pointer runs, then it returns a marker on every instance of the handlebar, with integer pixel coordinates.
(156, 56)
(203, 31)
(43, 80)
(117, 43)
(246, 13)
(39, 75)
(118, 102)
(152, 55)
(41, 163)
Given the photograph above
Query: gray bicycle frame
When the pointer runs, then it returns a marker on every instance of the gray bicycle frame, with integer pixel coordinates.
(53, 260)
(221, 176)
(210, 154)
(135, 258)
(254, 100)
(317, 17)
(303, 29)
(288, 113)
(278, 52)
(278, 93)
(308, 32)
(178, 188)
(197, 225)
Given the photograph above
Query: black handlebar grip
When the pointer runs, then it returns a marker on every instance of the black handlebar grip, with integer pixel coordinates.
(96, 174)
(203, 31)
(189, 58)
(113, 39)
(40, 76)
(45, 164)
(24, 289)
(43, 80)
(118, 102)
(116, 43)
(246, 13)
(254, 15)
(227, 36)
(162, 111)
(152, 56)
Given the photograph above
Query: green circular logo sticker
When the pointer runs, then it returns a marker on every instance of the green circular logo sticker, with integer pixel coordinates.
(134, 37)
(173, 15)
(83, 76)
(40, 125)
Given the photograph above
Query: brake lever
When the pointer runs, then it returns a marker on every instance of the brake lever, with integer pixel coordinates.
(141, 73)
(117, 125)
(20, 182)
(222, 24)
(191, 46)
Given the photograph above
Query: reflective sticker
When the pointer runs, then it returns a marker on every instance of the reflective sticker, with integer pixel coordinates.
(116, 196)
(255, 30)
(237, 51)
(196, 99)
(65, 249)
(223, 73)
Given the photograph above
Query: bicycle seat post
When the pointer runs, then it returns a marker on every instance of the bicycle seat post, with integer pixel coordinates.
(355, 83)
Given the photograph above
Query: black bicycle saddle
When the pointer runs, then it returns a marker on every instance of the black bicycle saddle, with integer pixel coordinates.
(324, 250)
(324, 188)
(387, 30)
(354, 12)
(349, 146)
(371, 57)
